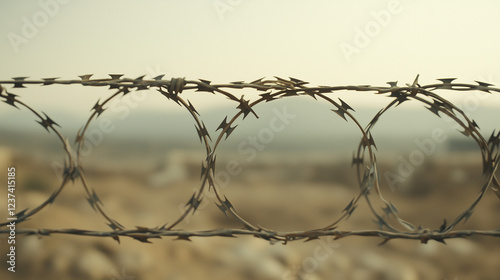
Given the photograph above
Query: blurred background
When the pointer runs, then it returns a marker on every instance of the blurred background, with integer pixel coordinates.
(300, 178)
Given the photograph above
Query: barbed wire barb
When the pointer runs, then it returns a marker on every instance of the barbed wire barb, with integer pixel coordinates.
(386, 217)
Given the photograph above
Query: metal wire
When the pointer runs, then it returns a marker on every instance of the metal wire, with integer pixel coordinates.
(390, 224)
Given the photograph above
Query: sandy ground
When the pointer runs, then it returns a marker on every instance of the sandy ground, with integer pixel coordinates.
(293, 197)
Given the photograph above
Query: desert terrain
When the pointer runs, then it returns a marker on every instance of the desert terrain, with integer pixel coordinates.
(279, 191)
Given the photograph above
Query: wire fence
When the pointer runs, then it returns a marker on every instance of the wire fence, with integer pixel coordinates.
(390, 224)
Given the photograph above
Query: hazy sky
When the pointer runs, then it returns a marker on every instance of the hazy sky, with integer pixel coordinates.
(324, 42)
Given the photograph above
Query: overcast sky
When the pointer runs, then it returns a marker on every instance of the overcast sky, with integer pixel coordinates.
(323, 42)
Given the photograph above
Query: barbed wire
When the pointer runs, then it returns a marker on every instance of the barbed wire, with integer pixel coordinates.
(390, 224)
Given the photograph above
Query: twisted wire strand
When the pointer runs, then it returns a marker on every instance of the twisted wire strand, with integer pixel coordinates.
(364, 158)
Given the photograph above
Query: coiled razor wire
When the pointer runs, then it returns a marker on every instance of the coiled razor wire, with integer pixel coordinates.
(390, 224)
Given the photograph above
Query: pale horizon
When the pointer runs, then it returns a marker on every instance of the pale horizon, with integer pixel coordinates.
(337, 43)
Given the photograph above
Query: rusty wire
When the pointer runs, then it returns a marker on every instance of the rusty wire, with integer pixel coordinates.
(390, 224)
